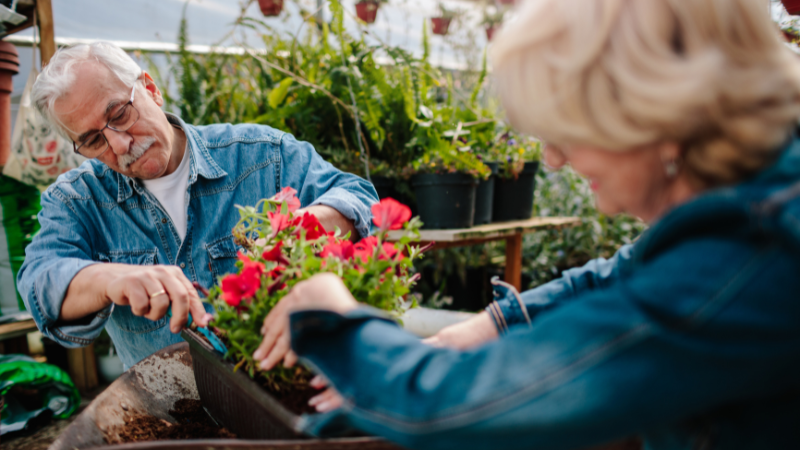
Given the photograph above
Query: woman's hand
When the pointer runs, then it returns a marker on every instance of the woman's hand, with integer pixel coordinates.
(322, 291)
(465, 335)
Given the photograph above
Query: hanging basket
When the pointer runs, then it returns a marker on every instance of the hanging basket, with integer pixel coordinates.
(367, 10)
(490, 32)
(792, 6)
(270, 8)
(440, 25)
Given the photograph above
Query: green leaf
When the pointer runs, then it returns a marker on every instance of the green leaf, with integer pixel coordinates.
(278, 95)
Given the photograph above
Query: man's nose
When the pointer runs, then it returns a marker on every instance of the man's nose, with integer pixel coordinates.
(553, 157)
(119, 141)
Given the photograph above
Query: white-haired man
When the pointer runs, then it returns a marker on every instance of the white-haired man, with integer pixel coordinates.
(155, 203)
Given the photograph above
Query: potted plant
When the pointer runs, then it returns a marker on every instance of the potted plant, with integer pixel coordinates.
(792, 6)
(367, 10)
(518, 159)
(280, 249)
(441, 23)
(491, 22)
(270, 8)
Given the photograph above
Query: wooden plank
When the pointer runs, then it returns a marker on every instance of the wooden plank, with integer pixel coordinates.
(492, 231)
(514, 261)
(47, 35)
(11, 330)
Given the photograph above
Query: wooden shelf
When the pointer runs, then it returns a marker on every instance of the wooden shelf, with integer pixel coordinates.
(12, 330)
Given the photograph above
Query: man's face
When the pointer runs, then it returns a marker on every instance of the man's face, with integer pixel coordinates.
(144, 151)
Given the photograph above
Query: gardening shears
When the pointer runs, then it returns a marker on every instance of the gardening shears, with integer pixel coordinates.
(212, 338)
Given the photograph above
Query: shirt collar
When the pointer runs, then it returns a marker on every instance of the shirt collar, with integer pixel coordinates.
(201, 162)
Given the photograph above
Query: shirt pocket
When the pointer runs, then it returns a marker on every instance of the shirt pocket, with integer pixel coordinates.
(122, 316)
(222, 256)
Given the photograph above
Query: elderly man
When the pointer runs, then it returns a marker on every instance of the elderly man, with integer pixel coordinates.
(124, 236)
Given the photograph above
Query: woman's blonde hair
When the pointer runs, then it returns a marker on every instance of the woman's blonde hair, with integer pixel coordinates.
(712, 75)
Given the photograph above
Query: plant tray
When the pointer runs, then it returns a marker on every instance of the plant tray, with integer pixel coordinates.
(240, 404)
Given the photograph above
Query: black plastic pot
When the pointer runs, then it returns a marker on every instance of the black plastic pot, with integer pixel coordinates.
(513, 198)
(484, 197)
(445, 200)
(397, 189)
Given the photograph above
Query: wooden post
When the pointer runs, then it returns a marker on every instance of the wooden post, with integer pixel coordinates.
(47, 36)
(514, 261)
(83, 367)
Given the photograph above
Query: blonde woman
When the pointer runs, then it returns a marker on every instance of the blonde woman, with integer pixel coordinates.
(683, 113)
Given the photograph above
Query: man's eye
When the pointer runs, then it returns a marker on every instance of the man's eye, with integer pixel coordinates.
(94, 141)
(122, 117)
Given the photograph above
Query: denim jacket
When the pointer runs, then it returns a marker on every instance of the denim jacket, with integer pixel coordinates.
(689, 338)
(93, 214)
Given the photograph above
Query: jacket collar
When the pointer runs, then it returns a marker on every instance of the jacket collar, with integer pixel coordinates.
(201, 162)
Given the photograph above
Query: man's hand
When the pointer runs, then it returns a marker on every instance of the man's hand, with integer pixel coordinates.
(148, 290)
(465, 335)
(322, 291)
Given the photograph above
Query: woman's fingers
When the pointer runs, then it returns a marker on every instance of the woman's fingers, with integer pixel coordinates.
(327, 401)
(318, 382)
(290, 359)
(277, 353)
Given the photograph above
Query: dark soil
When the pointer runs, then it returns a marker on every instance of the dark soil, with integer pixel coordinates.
(192, 423)
(293, 397)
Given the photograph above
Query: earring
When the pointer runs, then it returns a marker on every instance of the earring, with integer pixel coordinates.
(671, 168)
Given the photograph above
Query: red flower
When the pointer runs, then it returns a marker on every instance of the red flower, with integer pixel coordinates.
(278, 222)
(244, 285)
(341, 250)
(390, 252)
(309, 222)
(390, 214)
(275, 255)
(250, 264)
(364, 248)
(287, 195)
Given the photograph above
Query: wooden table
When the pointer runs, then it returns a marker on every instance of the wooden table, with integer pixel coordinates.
(511, 232)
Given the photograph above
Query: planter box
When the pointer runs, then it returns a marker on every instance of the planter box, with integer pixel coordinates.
(240, 404)
(445, 200)
(513, 199)
(367, 10)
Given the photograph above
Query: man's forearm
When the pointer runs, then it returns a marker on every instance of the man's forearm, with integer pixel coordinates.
(86, 293)
(330, 218)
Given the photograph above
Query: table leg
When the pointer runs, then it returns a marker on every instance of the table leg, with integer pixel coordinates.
(514, 261)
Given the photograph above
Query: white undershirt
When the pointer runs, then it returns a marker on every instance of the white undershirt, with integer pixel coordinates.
(170, 190)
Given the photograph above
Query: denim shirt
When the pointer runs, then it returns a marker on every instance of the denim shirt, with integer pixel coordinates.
(93, 215)
(689, 338)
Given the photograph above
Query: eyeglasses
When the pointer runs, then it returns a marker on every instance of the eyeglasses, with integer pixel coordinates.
(96, 143)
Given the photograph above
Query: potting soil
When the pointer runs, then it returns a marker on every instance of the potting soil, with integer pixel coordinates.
(193, 423)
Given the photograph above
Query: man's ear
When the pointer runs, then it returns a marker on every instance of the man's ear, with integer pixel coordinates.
(152, 89)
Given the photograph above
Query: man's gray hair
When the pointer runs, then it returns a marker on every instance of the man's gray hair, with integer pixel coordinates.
(59, 75)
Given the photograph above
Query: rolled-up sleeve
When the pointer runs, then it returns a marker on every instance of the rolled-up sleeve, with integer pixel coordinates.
(507, 310)
(59, 251)
(319, 183)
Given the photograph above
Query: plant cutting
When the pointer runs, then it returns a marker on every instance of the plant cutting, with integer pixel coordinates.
(270, 8)
(441, 23)
(367, 10)
(282, 248)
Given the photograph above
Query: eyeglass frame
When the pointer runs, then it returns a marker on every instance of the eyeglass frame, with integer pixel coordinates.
(76, 147)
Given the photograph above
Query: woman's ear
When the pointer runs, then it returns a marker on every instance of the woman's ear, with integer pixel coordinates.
(152, 89)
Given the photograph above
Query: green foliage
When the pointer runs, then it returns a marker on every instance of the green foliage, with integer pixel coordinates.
(328, 90)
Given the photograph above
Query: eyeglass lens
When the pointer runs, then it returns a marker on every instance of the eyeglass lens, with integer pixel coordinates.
(96, 143)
